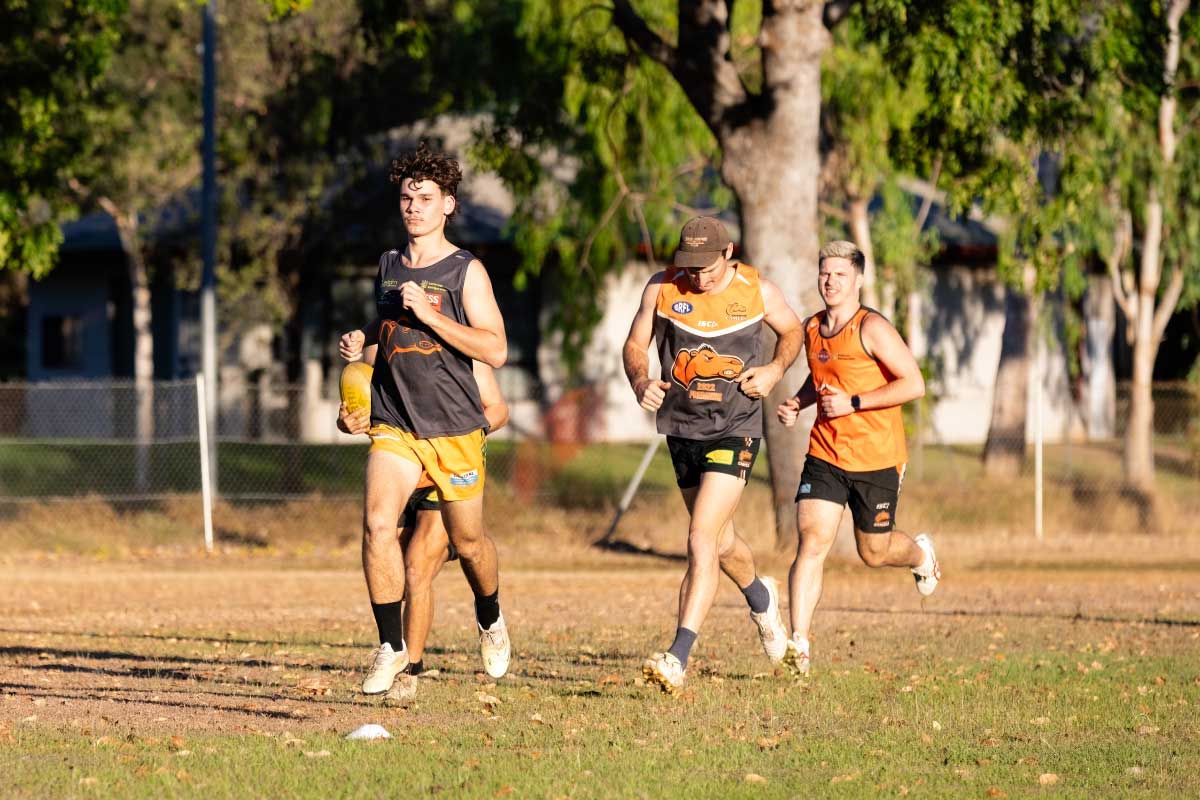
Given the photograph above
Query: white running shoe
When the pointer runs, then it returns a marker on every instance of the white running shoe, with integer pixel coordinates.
(771, 632)
(386, 664)
(664, 671)
(495, 648)
(927, 580)
(796, 659)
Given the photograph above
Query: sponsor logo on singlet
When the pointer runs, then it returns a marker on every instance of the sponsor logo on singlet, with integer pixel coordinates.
(681, 307)
(706, 323)
(736, 312)
(823, 356)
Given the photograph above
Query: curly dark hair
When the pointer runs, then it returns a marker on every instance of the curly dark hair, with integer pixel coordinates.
(423, 164)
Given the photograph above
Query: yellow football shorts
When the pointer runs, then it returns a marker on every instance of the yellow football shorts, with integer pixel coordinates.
(455, 464)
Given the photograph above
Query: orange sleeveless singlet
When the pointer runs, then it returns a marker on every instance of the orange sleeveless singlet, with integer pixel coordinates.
(865, 440)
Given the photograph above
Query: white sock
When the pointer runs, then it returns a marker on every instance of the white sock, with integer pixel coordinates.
(802, 644)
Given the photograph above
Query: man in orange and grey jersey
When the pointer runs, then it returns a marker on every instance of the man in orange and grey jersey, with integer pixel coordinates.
(436, 314)
(707, 315)
(422, 535)
(860, 373)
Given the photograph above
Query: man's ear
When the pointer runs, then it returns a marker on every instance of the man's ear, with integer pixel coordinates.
(729, 251)
(449, 203)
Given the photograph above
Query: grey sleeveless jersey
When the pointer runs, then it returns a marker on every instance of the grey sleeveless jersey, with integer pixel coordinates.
(421, 384)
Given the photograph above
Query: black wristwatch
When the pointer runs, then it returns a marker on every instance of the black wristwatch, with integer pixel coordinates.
(856, 402)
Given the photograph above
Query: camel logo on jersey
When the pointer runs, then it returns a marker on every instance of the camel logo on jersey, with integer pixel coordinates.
(708, 366)
(388, 330)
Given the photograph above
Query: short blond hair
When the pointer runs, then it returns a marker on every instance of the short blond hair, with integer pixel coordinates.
(846, 250)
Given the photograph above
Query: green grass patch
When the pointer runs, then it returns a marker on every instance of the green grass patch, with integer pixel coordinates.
(1054, 724)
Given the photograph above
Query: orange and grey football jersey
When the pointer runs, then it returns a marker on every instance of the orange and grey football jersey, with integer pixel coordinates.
(705, 342)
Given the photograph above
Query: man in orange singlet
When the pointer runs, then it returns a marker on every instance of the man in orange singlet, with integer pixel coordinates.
(707, 315)
(860, 373)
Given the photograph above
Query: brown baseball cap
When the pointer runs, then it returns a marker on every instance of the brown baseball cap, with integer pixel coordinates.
(700, 242)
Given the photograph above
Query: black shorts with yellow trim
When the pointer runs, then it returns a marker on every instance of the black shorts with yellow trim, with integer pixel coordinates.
(426, 498)
(730, 455)
(872, 495)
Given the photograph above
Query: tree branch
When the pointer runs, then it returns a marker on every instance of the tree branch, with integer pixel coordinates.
(701, 63)
(835, 11)
(635, 29)
(927, 201)
(1122, 238)
(1166, 306)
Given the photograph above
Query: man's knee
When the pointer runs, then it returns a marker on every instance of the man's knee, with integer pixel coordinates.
(379, 531)
(469, 548)
(702, 542)
(873, 550)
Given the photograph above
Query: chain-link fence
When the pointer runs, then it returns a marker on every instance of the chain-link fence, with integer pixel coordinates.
(106, 442)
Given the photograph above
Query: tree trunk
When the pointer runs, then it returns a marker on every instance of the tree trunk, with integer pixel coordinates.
(770, 159)
(143, 346)
(1004, 452)
(773, 167)
(1100, 389)
(860, 232)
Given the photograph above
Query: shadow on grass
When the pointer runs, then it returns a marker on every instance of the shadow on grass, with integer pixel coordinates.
(1078, 616)
(619, 546)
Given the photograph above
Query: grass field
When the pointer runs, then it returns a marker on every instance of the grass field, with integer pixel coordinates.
(1033, 672)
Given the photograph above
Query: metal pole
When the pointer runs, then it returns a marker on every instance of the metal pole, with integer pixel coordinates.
(631, 489)
(205, 475)
(208, 283)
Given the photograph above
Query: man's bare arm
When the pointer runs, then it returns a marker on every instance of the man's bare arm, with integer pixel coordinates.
(482, 338)
(883, 342)
(495, 409)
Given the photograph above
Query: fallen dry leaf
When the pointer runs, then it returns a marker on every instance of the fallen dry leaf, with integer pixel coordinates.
(844, 778)
(753, 777)
(317, 753)
(993, 791)
(504, 791)
(1047, 779)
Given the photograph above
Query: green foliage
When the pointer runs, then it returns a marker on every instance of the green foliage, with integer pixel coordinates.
(52, 56)
(606, 166)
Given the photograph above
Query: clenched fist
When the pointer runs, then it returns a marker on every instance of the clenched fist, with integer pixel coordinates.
(788, 411)
(651, 393)
(350, 346)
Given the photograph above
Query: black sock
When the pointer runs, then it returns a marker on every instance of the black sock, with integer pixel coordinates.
(757, 596)
(415, 667)
(487, 609)
(390, 621)
(682, 646)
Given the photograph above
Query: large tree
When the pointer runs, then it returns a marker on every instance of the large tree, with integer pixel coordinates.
(1136, 179)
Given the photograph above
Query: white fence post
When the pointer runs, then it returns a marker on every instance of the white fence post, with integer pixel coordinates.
(205, 476)
(1038, 436)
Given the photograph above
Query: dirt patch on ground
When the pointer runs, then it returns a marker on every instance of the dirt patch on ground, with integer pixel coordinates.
(248, 644)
